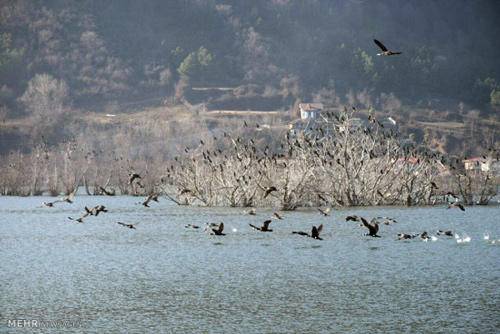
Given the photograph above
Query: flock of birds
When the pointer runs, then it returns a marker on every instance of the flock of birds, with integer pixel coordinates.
(217, 229)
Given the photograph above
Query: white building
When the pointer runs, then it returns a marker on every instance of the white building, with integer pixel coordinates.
(311, 111)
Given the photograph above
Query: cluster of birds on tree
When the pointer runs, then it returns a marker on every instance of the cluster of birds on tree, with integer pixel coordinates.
(338, 162)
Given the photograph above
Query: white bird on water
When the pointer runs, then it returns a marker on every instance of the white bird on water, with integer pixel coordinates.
(432, 238)
(462, 240)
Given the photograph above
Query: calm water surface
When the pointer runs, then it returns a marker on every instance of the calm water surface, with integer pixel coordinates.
(163, 277)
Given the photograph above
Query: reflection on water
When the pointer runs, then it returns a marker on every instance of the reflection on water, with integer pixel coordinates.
(164, 277)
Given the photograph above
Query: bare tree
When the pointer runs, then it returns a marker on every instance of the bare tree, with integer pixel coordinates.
(45, 96)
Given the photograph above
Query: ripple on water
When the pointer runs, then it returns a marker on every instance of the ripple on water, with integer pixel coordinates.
(163, 277)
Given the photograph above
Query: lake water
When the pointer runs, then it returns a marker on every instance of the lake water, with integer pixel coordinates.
(163, 277)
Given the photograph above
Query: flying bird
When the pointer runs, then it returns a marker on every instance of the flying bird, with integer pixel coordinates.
(49, 204)
(219, 230)
(264, 227)
(108, 192)
(314, 232)
(70, 196)
(269, 190)
(448, 233)
(388, 220)
(403, 236)
(131, 226)
(353, 218)
(210, 225)
(372, 227)
(250, 212)
(324, 212)
(460, 206)
(146, 202)
(97, 209)
(277, 216)
(132, 177)
(385, 52)
(321, 197)
(80, 220)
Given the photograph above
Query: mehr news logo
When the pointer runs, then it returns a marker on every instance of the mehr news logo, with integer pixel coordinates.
(34, 323)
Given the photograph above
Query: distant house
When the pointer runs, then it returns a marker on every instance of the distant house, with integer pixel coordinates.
(310, 116)
(480, 163)
(310, 111)
(311, 119)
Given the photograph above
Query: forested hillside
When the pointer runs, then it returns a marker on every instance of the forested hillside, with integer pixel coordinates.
(82, 53)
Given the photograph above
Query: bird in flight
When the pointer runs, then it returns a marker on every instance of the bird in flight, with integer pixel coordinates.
(269, 190)
(210, 225)
(263, 228)
(80, 220)
(324, 212)
(448, 233)
(456, 203)
(131, 226)
(314, 232)
(371, 226)
(403, 236)
(49, 204)
(219, 230)
(250, 212)
(70, 196)
(277, 216)
(132, 177)
(146, 202)
(354, 218)
(385, 52)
